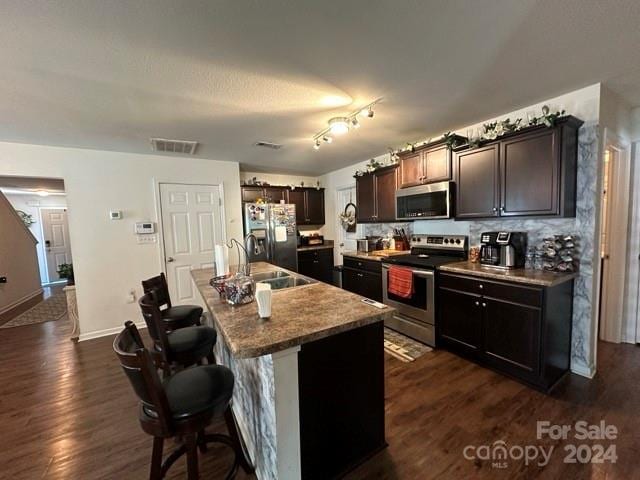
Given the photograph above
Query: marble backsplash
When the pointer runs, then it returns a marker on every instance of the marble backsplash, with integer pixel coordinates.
(384, 229)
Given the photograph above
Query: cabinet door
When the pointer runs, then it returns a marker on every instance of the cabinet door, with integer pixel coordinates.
(477, 182)
(315, 206)
(251, 194)
(530, 171)
(297, 197)
(411, 170)
(371, 286)
(352, 280)
(386, 183)
(366, 198)
(437, 165)
(274, 194)
(512, 337)
(460, 321)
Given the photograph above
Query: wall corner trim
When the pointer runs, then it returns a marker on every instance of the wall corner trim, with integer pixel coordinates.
(579, 368)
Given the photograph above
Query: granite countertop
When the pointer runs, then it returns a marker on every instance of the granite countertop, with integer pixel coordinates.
(519, 275)
(371, 256)
(327, 245)
(299, 315)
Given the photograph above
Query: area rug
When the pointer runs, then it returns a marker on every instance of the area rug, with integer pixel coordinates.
(403, 348)
(53, 308)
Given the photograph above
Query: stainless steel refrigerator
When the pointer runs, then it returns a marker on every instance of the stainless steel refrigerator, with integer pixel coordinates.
(274, 226)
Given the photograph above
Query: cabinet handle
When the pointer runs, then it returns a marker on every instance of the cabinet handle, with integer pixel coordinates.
(502, 209)
(360, 275)
(494, 209)
(484, 304)
(480, 286)
(477, 304)
(316, 261)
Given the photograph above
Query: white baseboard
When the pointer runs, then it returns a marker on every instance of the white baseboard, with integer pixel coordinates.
(583, 370)
(106, 332)
(20, 301)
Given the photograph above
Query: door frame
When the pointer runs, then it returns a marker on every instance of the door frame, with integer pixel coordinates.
(42, 246)
(620, 179)
(160, 230)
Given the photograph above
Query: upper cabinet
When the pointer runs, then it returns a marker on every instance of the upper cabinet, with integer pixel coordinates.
(529, 173)
(428, 164)
(376, 195)
(309, 202)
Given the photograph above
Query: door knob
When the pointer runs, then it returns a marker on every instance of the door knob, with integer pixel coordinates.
(170, 259)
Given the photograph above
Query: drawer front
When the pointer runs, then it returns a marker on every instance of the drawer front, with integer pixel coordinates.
(462, 284)
(368, 265)
(315, 254)
(509, 292)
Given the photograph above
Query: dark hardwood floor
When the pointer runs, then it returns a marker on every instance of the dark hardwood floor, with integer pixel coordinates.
(67, 412)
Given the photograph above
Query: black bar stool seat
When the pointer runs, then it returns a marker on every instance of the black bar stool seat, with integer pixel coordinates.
(175, 317)
(198, 341)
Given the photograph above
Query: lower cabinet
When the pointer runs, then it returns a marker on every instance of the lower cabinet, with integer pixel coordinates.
(363, 277)
(316, 264)
(520, 330)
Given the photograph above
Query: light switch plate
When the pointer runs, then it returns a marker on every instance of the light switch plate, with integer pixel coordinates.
(147, 239)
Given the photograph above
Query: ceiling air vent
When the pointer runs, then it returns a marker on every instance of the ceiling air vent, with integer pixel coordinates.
(271, 145)
(173, 146)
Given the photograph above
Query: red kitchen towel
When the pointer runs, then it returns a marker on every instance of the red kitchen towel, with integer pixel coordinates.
(400, 282)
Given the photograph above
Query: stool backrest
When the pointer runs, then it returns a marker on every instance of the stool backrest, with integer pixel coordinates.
(161, 288)
(136, 362)
(155, 324)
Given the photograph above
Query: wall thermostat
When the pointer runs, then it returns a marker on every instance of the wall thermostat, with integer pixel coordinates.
(145, 228)
(115, 215)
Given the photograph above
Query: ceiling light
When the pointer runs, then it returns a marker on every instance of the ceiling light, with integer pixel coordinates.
(327, 139)
(43, 193)
(355, 123)
(370, 113)
(316, 146)
(339, 125)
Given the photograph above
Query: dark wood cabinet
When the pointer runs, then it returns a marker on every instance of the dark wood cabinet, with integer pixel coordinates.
(309, 204)
(428, 164)
(523, 331)
(529, 173)
(376, 195)
(477, 182)
(316, 264)
(363, 277)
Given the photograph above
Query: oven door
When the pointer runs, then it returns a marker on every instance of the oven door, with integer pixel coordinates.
(420, 306)
(424, 202)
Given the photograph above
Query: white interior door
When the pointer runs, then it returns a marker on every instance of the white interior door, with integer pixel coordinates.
(345, 241)
(55, 232)
(191, 226)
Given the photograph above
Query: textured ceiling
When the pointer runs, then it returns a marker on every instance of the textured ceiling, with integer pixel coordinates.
(110, 74)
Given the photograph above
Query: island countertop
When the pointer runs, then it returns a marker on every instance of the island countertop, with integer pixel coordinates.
(518, 275)
(298, 315)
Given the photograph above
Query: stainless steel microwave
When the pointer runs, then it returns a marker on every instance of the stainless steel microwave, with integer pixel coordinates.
(425, 202)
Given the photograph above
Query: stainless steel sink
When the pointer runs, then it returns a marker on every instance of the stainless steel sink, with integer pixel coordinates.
(259, 277)
(287, 282)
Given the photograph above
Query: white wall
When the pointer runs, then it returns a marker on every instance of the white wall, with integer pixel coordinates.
(32, 204)
(108, 262)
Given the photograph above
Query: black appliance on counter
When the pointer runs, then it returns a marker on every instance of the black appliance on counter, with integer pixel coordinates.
(311, 240)
(415, 316)
(503, 249)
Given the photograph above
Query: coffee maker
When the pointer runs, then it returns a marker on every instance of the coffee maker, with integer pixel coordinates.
(503, 249)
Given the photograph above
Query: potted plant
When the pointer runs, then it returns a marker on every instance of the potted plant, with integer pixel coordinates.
(65, 270)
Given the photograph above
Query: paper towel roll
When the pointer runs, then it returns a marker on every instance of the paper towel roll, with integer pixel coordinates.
(263, 297)
(222, 259)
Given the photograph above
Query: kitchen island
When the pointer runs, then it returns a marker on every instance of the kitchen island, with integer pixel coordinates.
(309, 394)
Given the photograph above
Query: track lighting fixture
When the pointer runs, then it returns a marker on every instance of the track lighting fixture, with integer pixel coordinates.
(341, 125)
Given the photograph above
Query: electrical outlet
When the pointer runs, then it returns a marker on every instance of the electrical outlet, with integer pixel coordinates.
(147, 239)
(131, 298)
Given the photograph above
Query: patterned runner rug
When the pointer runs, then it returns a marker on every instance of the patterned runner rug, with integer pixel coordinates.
(403, 348)
(53, 308)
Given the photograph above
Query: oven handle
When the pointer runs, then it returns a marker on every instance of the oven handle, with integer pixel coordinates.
(417, 273)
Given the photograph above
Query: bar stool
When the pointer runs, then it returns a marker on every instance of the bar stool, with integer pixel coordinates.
(182, 406)
(175, 317)
(176, 349)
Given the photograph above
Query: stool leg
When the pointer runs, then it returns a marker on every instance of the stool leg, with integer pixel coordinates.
(241, 452)
(156, 459)
(202, 444)
(192, 457)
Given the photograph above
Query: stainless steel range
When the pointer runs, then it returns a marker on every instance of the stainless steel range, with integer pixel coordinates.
(415, 315)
